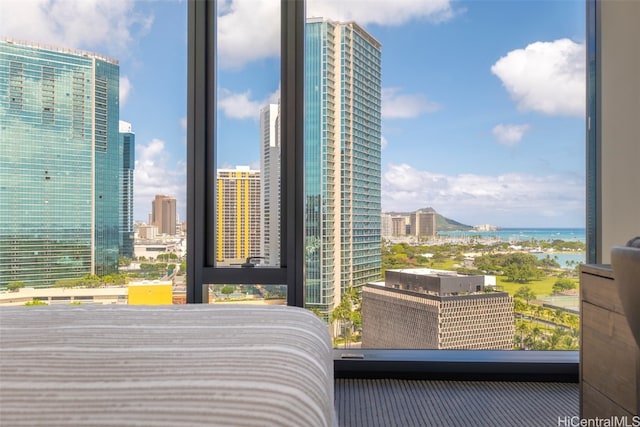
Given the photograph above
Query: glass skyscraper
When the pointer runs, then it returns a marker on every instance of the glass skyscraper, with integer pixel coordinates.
(59, 164)
(127, 148)
(342, 160)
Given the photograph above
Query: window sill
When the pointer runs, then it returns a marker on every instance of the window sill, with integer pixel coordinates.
(468, 365)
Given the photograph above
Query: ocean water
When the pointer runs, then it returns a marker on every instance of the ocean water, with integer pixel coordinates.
(566, 259)
(513, 235)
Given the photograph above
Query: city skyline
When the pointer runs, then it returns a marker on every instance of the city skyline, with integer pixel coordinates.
(463, 132)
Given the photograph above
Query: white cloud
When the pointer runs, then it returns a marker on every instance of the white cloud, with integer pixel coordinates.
(509, 135)
(383, 142)
(404, 106)
(125, 89)
(241, 106)
(547, 77)
(183, 123)
(395, 12)
(155, 175)
(238, 105)
(513, 199)
(105, 26)
(381, 12)
(248, 30)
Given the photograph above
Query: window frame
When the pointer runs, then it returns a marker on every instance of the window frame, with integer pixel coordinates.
(559, 366)
(201, 158)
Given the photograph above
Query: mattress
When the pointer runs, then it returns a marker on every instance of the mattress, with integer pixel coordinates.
(164, 366)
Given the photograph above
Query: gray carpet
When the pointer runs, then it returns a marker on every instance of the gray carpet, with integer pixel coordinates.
(370, 403)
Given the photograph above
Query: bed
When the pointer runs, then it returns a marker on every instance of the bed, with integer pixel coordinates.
(164, 366)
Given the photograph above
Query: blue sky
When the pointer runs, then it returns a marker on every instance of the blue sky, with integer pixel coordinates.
(483, 101)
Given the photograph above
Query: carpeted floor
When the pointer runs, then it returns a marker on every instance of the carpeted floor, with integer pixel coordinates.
(384, 402)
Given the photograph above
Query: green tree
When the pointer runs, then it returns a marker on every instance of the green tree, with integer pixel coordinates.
(522, 328)
(536, 333)
(519, 306)
(539, 311)
(573, 322)
(554, 338)
(227, 289)
(341, 315)
(124, 261)
(90, 281)
(120, 279)
(521, 267)
(344, 315)
(14, 286)
(397, 249)
(568, 343)
(525, 293)
(549, 262)
(67, 283)
(563, 284)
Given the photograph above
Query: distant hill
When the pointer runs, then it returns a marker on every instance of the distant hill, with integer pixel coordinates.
(442, 223)
(446, 224)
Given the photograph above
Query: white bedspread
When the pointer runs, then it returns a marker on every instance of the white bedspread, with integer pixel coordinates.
(164, 366)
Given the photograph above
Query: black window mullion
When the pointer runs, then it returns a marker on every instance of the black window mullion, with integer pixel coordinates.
(292, 137)
(199, 73)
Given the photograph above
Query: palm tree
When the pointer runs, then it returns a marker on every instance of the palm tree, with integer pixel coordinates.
(536, 332)
(557, 316)
(539, 311)
(573, 323)
(522, 328)
(554, 338)
(568, 343)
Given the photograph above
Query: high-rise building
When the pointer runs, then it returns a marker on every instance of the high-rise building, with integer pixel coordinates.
(342, 160)
(163, 214)
(59, 164)
(393, 224)
(423, 223)
(434, 309)
(270, 184)
(127, 148)
(237, 214)
(398, 226)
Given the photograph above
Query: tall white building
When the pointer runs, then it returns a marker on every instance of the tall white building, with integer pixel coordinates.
(127, 149)
(270, 184)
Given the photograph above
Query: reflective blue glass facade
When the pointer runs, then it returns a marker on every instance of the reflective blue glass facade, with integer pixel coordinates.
(58, 164)
(342, 160)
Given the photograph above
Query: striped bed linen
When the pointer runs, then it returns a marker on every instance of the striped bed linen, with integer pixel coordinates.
(188, 365)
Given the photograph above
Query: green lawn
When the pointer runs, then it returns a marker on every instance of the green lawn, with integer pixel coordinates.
(542, 287)
(445, 265)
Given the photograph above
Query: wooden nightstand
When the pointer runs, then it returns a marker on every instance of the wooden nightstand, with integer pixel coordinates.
(609, 356)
